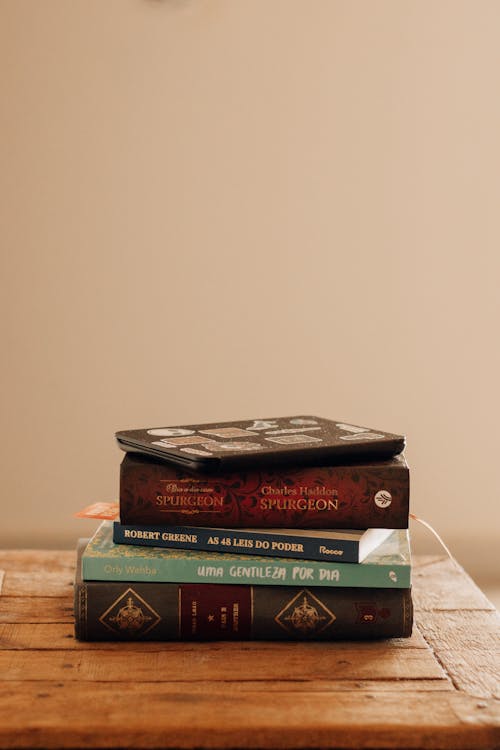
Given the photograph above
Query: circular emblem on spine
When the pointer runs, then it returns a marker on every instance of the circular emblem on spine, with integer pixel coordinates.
(383, 499)
(130, 617)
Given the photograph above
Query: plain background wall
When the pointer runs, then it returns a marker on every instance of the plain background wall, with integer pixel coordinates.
(223, 209)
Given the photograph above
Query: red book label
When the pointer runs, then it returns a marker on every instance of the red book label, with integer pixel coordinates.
(211, 612)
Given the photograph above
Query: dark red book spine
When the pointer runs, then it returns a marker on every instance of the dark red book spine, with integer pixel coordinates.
(358, 496)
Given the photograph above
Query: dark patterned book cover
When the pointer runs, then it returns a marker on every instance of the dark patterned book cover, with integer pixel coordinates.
(361, 495)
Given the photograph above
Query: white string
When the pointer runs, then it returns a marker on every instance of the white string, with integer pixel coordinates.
(428, 526)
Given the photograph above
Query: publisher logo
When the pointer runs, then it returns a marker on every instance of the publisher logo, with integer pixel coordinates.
(383, 499)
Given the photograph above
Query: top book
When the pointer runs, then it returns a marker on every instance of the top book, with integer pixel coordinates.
(301, 440)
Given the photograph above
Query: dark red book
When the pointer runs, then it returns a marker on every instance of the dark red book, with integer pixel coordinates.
(359, 495)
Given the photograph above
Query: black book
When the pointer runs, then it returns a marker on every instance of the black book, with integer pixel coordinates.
(301, 440)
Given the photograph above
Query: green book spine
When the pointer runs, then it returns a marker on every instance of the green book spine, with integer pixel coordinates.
(387, 567)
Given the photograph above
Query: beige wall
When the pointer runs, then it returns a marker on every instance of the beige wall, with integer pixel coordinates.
(220, 209)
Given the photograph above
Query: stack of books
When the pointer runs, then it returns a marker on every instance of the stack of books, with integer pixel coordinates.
(285, 528)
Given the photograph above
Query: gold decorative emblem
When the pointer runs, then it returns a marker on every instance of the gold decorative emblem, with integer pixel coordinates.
(130, 615)
(306, 614)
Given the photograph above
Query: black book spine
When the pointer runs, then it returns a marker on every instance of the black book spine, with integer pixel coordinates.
(110, 611)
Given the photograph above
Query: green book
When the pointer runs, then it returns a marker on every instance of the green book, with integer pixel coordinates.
(386, 567)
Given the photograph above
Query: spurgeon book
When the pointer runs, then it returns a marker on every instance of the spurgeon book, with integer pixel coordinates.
(347, 545)
(361, 495)
(386, 567)
(129, 611)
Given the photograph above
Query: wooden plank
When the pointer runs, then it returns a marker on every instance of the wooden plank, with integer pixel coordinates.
(467, 644)
(296, 685)
(38, 583)
(208, 664)
(40, 636)
(43, 636)
(36, 609)
(458, 630)
(475, 672)
(444, 585)
(81, 715)
(33, 560)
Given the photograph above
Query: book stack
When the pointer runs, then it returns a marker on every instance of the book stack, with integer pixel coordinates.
(285, 528)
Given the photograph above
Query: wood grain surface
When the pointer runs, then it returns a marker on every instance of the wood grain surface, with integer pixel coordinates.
(438, 689)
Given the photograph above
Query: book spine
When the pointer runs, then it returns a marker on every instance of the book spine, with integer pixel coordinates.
(238, 541)
(216, 568)
(357, 496)
(164, 612)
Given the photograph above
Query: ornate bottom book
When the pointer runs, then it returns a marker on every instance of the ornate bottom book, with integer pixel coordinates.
(131, 611)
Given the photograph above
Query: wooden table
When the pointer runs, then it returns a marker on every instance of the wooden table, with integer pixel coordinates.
(438, 689)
